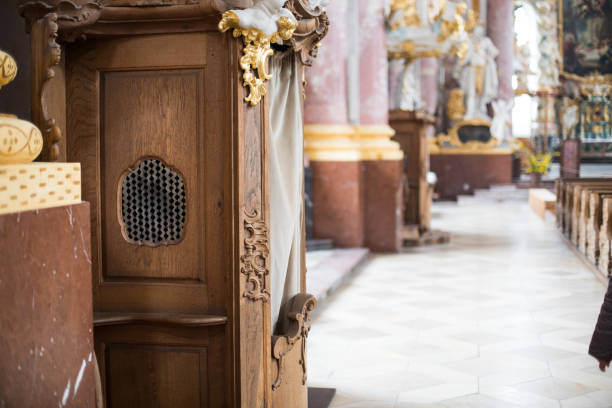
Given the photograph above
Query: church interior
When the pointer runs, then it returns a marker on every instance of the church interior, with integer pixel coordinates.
(305, 203)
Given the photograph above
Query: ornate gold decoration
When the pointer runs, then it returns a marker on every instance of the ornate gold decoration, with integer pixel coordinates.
(454, 27)
(596, 84)
(254, 261)
(375, 143)
(446, 33)
(256, 51)
(455, 109)
(20, 141)
(451, 144)
(331, 143)
(410, 16)
(8, 68)
(299, 315)
(24, 185)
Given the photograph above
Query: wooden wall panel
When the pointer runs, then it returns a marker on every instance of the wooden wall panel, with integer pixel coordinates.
(171, 111)
(164, 377)
(157, 114)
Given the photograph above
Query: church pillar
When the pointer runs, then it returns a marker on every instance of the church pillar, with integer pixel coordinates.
(329, 140)
(382, 158)
(429, 84)
(500, 29)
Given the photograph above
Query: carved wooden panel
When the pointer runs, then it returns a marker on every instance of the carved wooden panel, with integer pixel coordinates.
(145, 365)
(150, 97)
(159, 376)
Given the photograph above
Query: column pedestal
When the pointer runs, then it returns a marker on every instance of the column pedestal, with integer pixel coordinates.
(570, 158)
(356, 185)
(382, 187)
(335, 160)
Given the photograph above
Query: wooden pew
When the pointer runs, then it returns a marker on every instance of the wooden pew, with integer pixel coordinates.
(587, 212)
(572, 205)
(564, 192)
(605, 236)
(593, 225)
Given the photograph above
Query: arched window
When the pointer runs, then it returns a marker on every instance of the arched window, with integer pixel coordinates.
(526, 70)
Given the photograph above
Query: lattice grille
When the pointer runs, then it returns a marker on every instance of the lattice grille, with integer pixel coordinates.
(153, 205)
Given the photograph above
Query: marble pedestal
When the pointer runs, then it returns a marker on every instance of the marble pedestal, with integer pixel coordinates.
(46, 300)
(570, 158)
(462, 173)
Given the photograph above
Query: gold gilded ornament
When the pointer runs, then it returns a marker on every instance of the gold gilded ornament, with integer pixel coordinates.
(20, 141)
(8, 68)
(256, 51)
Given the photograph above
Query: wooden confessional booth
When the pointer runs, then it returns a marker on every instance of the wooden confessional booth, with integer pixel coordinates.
(161, 106)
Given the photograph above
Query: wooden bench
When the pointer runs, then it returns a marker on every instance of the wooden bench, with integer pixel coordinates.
(542, 200)
(605, 236)
(594, 224)
(589, 201)
(573, 200)
(564, 190)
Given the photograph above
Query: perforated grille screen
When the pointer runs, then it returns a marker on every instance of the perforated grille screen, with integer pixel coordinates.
(153, 204)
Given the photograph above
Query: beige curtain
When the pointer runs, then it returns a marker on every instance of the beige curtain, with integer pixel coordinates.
(286, 175)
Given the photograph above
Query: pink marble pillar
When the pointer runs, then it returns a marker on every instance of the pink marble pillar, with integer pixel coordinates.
(373, 64)
(326, 87)
(429, 84)
(500, 29)
(329, 140)
(382, 176)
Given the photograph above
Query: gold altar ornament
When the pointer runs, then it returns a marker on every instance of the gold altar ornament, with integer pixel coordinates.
(8, 68)
(256, 51)
(455, 108)
(20, 141)
(25, 185)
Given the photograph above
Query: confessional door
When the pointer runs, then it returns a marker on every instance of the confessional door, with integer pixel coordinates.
(157, 122)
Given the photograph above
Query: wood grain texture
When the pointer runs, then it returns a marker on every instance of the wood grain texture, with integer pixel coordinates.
(411, 133)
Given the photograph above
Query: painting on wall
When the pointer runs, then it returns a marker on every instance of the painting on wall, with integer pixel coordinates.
(586, 33)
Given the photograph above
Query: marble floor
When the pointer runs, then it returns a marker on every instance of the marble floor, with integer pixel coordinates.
(501, 317)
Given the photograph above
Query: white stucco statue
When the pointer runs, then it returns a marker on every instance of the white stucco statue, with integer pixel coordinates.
(477, 75)
(319, 3)
(569, 119)
(502, 119)
(264, 15)
(409, 91)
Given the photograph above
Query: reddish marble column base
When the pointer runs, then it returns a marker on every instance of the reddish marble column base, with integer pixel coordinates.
(463, 173)
(570, 158)
(337, 202)
(45, 297)
(382, 192)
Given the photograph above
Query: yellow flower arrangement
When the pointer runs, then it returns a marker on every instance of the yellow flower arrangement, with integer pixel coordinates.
(537, 162)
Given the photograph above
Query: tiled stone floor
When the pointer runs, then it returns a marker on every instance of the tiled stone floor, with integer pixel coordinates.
(501, 317)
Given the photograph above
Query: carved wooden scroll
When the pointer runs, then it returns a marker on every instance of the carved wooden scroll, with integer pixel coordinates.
(254, 262)
(48, 22)
(299, 326)
(313, 25)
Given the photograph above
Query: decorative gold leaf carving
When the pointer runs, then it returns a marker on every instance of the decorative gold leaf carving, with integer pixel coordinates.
(8, 68)
(256, 51)
(299, 327)
(255, 259)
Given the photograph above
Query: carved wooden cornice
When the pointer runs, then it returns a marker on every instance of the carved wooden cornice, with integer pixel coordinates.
(73, 16)
(299, 327)
(313, 25)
